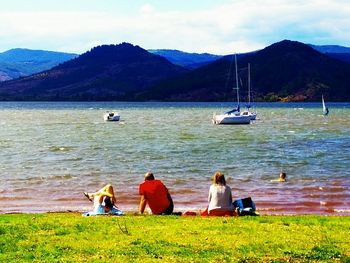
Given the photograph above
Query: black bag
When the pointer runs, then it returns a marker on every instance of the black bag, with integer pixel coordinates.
(245, 207)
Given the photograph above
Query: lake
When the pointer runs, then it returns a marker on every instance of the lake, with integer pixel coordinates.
(51, 152)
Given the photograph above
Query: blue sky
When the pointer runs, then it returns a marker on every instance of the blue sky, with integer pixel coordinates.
(219, 27)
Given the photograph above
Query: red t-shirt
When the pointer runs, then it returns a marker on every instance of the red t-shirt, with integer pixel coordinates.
(156, 195)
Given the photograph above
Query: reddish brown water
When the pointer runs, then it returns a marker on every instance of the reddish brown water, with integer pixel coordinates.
(291, 197)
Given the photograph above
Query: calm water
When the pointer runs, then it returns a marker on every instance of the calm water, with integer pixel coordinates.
(52, 152)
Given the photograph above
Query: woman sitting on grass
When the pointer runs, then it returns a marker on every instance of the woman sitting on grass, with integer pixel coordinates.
(104, 202)
(220, 198)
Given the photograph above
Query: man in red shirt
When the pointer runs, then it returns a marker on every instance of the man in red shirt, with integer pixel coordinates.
(156, 195)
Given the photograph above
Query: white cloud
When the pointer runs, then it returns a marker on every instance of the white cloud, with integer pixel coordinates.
(237, 26)
(147, 9)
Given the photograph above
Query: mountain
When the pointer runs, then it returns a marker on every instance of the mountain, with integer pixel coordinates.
(19, 62)
(330, 48)
(340, 56)
(287, 71)
(108, 72)
(184, 59)
(338, 52)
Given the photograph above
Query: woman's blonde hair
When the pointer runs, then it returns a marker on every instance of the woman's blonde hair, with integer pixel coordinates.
(219, 178)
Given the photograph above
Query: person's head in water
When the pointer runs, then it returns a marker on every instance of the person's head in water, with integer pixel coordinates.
(149, 176)
(283, 177)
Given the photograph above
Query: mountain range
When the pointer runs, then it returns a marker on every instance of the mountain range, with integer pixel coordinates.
(20, 62)
(284, 71)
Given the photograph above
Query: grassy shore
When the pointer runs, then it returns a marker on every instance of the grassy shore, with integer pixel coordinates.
(69, 237)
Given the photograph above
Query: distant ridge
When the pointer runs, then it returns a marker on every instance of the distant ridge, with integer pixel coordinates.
(20, 62)
(187, 60)
(338, 52)
(330, 48)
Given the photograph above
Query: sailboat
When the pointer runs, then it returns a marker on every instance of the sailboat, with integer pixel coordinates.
(247, 112)
(233, 116)
(325, 109)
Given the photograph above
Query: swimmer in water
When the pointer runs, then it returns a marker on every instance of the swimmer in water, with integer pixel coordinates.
(282, 178)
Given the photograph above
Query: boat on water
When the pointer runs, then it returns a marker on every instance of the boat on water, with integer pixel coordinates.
(248, 111)
(233, 116)
(111, 116)
(324, 108)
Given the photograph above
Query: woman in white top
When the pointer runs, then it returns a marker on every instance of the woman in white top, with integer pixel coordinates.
(220, 197)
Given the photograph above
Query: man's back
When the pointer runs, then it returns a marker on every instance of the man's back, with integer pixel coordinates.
(156, 195)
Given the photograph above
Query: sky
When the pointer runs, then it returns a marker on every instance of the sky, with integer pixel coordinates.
(213, 26)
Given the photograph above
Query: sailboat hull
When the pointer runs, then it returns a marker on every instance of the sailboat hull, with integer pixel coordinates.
(231, 119)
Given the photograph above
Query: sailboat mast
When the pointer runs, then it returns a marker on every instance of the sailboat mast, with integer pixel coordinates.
(237, 87)
(249, 84)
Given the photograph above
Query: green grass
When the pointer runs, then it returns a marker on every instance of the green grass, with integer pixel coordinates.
(69, 237)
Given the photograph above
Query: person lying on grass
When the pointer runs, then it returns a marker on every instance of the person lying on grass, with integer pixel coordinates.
(104, 201)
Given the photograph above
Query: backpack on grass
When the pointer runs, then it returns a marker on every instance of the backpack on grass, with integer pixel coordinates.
(245, 207)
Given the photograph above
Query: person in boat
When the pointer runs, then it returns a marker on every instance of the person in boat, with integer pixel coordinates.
(155, 194)
(219, 198)
(104, 201)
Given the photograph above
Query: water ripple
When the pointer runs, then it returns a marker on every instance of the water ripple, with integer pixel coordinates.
(47, 148)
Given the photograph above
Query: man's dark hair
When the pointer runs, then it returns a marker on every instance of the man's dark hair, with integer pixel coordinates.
(149, 176)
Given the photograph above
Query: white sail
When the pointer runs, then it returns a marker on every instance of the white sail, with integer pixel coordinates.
(324, 108)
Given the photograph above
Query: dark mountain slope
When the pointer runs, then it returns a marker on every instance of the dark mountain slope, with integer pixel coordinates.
(204, 84)
(339, 52)
(345, 57)
(287, 70)
(110, 72)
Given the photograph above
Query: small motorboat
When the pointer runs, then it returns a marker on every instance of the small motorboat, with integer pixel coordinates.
(111, 116)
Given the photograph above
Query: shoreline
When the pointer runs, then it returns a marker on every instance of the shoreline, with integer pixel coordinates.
(197, 211)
